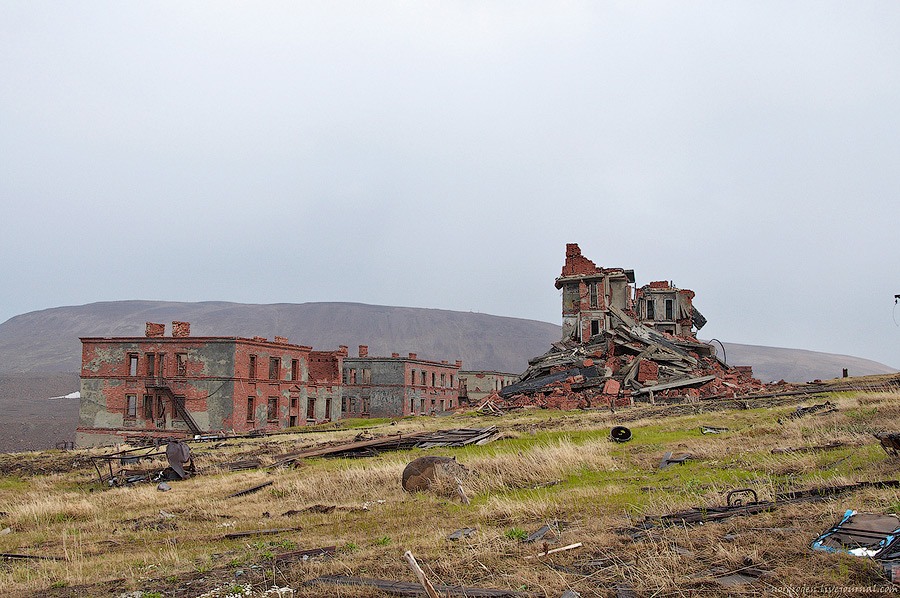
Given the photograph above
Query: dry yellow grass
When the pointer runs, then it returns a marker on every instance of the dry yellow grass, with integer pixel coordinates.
(548, 467)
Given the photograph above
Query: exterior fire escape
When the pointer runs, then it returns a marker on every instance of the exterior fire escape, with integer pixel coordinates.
(160, 384)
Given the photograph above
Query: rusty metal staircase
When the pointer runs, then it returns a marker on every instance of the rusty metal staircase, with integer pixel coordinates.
(160, 384)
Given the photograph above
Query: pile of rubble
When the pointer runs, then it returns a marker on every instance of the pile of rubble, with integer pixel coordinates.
(619, 347)
(629, 362)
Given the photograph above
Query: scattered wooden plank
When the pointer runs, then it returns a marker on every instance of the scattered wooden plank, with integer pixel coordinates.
(299, 555)
(676, 384)
(423, 580)
(404, 588)
(260, 532)
(555, 550)
(250, 490)
(14, 556)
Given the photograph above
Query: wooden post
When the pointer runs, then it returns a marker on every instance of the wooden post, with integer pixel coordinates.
(429, 589)
(461, 492)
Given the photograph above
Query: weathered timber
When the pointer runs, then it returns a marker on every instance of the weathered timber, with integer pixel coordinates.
(250, 490)
(404, 588)
(676, 384)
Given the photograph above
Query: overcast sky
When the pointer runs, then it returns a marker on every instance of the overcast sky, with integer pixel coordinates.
(441, 154)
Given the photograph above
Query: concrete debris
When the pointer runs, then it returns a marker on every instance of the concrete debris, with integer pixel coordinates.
(466, 532)
(549, 532)
(739, 577)
(163, 487)
(712, 430)
(620, 344)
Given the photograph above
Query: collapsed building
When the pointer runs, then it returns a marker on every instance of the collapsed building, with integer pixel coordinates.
(621, 344)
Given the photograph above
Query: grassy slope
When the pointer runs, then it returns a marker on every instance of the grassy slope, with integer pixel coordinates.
(549, 465)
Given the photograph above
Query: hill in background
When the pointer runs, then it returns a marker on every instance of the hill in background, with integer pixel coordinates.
(40, 352)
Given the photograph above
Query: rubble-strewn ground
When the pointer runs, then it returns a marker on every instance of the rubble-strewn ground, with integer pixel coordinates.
(548, 466)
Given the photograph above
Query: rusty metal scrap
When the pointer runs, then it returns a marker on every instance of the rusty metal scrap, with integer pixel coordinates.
(745, 502)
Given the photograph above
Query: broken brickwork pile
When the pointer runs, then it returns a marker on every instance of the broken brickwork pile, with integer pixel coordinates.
(628, 362)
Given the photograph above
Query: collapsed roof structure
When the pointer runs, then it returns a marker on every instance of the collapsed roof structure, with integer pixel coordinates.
(620, 344)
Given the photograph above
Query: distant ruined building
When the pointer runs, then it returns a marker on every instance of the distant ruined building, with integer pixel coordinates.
(621, 344)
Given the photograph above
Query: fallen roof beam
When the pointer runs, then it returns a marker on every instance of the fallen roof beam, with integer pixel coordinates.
(676, 384)
(404, 588)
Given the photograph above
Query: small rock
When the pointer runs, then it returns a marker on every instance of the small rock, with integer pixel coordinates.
(163, 487)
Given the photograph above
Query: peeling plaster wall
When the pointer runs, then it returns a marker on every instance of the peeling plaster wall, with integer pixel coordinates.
(212, 376)
(396, 387)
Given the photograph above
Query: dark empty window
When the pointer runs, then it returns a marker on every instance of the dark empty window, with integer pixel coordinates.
(274, 368)
(272, 413)
(181, 364)
(670, 309)
(311, 409)
(251, 409)
(443, 379)
(295, 369)
(148, 407)
(651, 312)
(595, 327)
(433, 379)
(412, 377)
(423, 378)
(252, 371)
(593, 287)
(352, 376)
(343, 404)
(132, 364)
(366, 376)
(365, 405)
(151, 364)
(328, 408)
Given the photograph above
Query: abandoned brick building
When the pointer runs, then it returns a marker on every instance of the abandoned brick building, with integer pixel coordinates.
(476, 385)
(590, 295)
(396, 386)
(180, 386)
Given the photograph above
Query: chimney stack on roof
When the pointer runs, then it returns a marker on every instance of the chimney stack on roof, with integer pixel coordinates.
(413, 356)
(364, 350)
(181, 329)
(154, 330)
